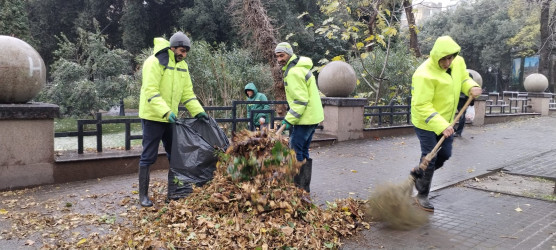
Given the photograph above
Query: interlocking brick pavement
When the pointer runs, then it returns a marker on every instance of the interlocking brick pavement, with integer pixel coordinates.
(464, 218)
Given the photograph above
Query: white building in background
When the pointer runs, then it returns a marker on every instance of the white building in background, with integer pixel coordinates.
(424, 9)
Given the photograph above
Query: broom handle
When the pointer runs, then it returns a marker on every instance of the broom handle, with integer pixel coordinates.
(281, 129)
(434, 151)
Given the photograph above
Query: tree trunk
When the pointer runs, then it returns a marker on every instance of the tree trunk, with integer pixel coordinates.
(413, 44)
(552, 40)
(546, 43)
(372, 21)
(256, 26)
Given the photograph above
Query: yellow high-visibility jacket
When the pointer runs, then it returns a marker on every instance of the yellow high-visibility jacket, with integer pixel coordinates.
(165, 85)
(302, 93)
(435, 91)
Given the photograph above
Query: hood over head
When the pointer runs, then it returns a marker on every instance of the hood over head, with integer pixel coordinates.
(160, 44)
(444, 46)
(251, 86)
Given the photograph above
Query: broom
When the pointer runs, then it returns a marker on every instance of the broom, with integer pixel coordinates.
(391, 203)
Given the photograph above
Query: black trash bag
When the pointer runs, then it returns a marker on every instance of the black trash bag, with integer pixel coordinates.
(193, 158)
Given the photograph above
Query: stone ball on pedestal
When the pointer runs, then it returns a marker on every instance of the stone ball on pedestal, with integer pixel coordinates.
(476, 76)
(22, 71)
(337, 79)
(535, 83)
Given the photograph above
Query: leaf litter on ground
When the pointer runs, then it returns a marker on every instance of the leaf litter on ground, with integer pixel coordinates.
(250, 203)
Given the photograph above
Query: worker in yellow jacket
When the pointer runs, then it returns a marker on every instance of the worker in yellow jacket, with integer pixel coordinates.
(305, 111)
(166, 84)
(435, 90)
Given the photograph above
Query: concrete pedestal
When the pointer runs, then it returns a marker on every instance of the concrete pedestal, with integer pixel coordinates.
(343, 117)
(27, 148)
(539, 102)
(480, 110)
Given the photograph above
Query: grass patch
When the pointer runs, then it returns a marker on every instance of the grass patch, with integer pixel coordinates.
(543, 180)
(551, 197)
(70, 125)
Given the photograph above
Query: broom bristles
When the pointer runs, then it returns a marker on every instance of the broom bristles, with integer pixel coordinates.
(392, 204)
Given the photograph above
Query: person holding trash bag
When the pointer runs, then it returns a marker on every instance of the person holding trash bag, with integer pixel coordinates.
(166, 84)
(435, 90)
(254, 95)
(305, 111)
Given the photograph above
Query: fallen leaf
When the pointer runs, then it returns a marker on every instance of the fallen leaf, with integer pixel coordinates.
(354, 171)
(3, 211)
(81, 241)
(287, 231)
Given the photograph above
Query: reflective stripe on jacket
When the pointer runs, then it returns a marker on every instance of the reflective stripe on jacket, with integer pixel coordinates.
(302, 93)
(435, 92)
(165, 85)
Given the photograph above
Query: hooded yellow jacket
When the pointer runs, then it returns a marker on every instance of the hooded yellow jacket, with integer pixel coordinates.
(165, 85)
(302, 93)
(435, 91)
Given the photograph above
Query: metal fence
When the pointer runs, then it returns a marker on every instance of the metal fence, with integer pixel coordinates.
(224, 114)
(507, 102)
(375, 117)
(391, 115)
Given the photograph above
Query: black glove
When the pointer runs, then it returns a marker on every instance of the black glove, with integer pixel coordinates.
(202, 115)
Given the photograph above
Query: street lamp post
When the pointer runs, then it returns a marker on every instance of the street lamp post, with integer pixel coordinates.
(495, 72)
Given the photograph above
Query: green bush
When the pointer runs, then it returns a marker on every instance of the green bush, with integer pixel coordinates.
(219, 75)
(392, 82)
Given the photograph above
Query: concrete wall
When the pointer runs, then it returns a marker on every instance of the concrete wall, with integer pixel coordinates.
(74, 167)
(540, 103)
(343, 117)
(27, 144)
(26, 152)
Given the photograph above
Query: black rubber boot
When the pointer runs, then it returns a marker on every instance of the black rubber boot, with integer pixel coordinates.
(303, 179)
(424, 203)
(423, 186)
(144, 176)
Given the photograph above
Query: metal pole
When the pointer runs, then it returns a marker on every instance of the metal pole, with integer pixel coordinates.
(122, 109)
(496, 80)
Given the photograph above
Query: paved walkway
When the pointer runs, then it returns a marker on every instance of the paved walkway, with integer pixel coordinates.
(464, 218)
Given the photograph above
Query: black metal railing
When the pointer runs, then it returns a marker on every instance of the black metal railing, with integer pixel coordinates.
(381, 116)
(234, 120)
(507, 102)
(98, 121)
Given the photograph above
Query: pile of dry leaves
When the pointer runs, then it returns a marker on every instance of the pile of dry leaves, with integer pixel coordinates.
(250, 203)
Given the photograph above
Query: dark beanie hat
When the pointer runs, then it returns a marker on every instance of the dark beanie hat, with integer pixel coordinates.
(180, 40)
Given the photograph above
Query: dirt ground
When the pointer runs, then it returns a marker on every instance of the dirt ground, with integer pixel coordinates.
(503, 183)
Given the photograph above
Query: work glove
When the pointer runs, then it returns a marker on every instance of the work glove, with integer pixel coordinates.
(202, 115)
(172, 117)
(288, 125)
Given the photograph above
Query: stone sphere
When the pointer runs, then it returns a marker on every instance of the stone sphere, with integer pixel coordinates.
(535, 83)
(22, 71)
(337, 79)
(476, 76)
